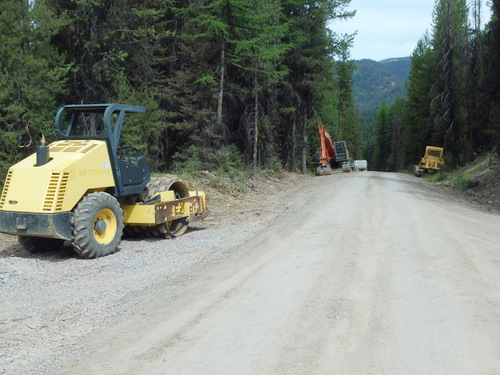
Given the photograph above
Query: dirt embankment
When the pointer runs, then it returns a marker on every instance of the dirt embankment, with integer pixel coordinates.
(478, 183)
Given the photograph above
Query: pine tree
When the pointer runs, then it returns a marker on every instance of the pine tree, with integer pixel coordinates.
(477, 113)
(398, 122)
(216, 22)
(348, 116)
(452, 52)
(108, 40)
(258, 51)
(383, 139)
(229, 52)
(491, 82)
(32, 76)
(189, 91)
(310, 62)
(417, 130)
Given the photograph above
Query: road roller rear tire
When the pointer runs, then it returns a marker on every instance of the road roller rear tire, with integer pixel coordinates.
(97, 225)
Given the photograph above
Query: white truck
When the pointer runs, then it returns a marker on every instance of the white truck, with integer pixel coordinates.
(361, 165)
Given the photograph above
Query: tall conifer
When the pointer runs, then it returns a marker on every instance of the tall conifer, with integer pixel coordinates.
(32, 76)
(418, 128)
(451, 50)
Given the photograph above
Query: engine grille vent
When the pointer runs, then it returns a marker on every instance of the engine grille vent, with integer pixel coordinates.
(5, 189)
(89, 148)
(56, 192)
(74, 146)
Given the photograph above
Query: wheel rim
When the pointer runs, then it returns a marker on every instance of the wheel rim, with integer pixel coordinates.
(105, 226)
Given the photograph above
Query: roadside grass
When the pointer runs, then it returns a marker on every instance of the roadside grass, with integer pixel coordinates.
(436, 177)
(222, 170)
(224, 175)
(467, 177)
(461, 179)
(464, 181)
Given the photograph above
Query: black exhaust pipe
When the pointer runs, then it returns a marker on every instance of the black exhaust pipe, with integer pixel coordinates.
(42, 153)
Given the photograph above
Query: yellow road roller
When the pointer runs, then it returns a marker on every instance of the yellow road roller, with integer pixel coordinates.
(87, 188)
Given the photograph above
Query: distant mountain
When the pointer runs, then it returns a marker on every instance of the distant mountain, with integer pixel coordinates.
(376, 82)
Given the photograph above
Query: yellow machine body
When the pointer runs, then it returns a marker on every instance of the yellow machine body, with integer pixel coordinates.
(87, 188)
(75, 168)
(168, 208)
(33, 195)
(432, 159)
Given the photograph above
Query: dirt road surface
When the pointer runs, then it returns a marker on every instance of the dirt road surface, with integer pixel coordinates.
(354, 273)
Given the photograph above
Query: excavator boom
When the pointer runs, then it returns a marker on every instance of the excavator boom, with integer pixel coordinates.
(332, 154)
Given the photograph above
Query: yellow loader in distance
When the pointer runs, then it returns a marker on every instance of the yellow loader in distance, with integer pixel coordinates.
(86, 188)
(431, 161)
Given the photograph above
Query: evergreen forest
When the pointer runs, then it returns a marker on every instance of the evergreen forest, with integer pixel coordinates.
(452, 95)
(377, 82)
(225, 83)
(234, 83)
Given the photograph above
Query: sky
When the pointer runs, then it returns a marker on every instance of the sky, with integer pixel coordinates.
(389, 28)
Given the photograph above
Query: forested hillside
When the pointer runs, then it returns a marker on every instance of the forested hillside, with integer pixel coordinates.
(376, 82)
(452, 97)
(224, 82)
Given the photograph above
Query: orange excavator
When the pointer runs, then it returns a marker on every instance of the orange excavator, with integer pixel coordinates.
(332, 154)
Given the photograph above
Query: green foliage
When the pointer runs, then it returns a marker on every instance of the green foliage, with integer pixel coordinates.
(460, 179)
(451, 50)
(377, 82)
(452, 93)
(187, 162)
(274, 164)
(207, 79)
(310, 62)
(32, 77)
(348, 124)
(139, 129)
(383, 136)
(225, 168)
(225, 83)
(227, 159)
(491, 81)
(436, 177)
(418, 128)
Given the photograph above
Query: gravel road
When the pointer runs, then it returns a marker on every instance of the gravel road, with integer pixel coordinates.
(354, 273)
